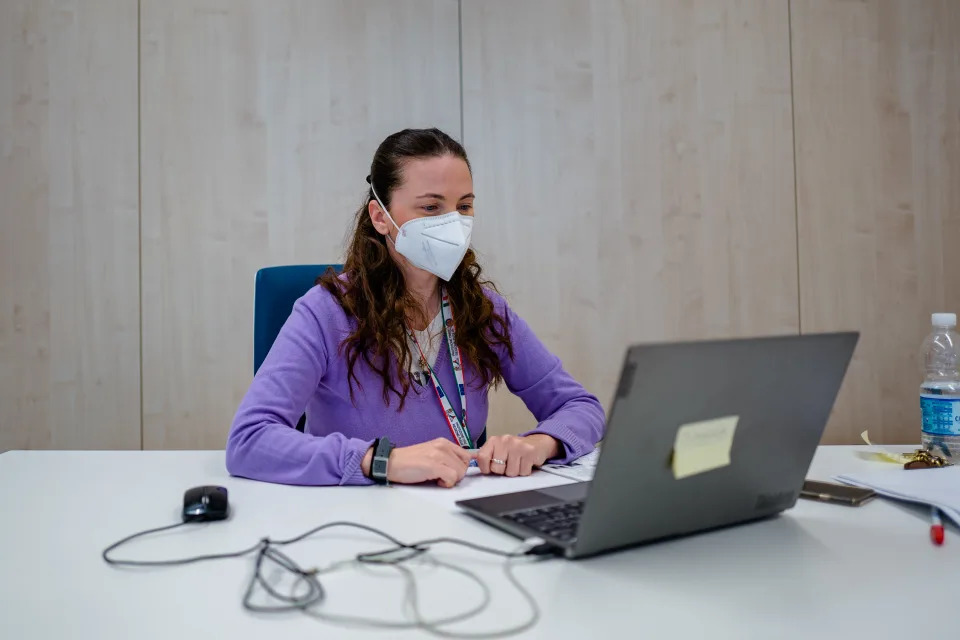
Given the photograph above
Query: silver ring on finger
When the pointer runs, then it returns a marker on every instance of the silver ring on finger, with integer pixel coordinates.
(498, 461)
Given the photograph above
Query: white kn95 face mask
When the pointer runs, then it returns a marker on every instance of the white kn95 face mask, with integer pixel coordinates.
(434, 243)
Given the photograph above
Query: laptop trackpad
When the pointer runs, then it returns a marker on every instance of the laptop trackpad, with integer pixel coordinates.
(507, 502)
(567, 492)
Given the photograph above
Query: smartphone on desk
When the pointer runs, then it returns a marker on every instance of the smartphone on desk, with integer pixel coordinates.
(836, 493)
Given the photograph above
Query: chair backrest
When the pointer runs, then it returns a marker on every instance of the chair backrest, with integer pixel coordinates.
(275, 291)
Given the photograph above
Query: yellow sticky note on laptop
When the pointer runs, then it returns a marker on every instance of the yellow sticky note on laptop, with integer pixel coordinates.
(703, 446)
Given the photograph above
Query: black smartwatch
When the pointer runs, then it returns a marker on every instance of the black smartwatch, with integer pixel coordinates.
(382, 448)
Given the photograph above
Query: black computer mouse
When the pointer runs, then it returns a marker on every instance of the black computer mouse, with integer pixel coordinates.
(205, 503)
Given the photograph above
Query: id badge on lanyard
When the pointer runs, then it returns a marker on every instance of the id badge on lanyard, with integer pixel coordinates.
(458, 426)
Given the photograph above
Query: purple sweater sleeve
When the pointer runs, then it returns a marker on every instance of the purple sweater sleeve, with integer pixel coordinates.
(264, 443)
(563, 408)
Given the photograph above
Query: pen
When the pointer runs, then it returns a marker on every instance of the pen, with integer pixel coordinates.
(936, 526)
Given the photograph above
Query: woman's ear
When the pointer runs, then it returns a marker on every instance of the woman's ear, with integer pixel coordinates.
(378, 217)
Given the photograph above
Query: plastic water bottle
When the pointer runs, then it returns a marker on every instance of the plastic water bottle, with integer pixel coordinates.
(940, 391)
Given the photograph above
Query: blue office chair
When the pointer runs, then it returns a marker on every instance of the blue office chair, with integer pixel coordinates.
(275, 291)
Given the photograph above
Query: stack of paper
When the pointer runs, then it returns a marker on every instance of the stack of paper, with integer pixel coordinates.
(936, 487)
(581, 469)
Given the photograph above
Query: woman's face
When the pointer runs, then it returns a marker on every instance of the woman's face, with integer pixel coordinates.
(429, 187)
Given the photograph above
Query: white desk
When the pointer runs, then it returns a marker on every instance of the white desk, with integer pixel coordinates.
(817, 571)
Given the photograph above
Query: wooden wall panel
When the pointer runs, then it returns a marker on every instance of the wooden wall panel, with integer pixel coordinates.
(259, 122)
(877, 96)
(633, 161)
(69, 280)
(634, 170)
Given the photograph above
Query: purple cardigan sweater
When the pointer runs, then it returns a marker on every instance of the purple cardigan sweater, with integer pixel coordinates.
(305, 370)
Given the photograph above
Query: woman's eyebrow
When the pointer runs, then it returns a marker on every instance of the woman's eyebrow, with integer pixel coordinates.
(437, 196)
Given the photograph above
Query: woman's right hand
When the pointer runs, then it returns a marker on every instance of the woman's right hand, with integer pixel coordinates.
(438, 459)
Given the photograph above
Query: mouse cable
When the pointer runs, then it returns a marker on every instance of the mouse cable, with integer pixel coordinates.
(307, 592)
(167, 563)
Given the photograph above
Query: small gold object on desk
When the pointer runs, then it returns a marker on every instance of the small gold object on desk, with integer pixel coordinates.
(923, 459)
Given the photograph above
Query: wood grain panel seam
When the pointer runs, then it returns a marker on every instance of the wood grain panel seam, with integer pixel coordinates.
(460, 61)
(793, 140)
(140, 216)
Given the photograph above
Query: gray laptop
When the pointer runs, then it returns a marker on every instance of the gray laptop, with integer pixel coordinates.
(779, 390)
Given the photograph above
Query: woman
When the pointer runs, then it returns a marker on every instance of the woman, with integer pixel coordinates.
(392, 360)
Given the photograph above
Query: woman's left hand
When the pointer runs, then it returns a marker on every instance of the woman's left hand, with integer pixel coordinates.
(516, 456)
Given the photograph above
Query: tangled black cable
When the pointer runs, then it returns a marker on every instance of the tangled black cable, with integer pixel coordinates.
(307, 592)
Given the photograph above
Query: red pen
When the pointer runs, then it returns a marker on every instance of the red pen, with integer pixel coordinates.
(936, 526)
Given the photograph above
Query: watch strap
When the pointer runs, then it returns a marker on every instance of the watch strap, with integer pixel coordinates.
(379, 467)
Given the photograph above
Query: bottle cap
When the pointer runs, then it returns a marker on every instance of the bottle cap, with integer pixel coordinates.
(944, 319)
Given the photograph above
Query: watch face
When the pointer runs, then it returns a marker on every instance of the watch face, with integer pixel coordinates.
(379, 466)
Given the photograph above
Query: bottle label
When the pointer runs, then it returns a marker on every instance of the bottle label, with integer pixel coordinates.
(941, 416)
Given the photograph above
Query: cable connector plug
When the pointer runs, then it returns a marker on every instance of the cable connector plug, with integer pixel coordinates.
(536, 546)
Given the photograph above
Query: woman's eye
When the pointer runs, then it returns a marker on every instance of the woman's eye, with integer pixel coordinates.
(466, 208)
(430, 208)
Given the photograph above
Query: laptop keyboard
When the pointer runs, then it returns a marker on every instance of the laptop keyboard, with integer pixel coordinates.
(558, 520)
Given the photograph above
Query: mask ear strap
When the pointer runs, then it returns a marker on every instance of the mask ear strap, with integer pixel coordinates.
(379, 202)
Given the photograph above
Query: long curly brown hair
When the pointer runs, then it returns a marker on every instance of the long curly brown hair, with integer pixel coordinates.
(372, 289)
